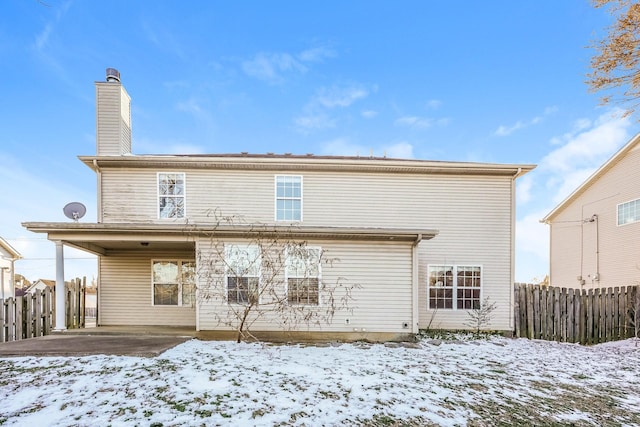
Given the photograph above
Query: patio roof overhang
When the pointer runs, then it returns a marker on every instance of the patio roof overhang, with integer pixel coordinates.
(101, 238)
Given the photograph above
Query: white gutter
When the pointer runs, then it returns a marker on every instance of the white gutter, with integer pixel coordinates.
(415, 286)
(99, 184)
(512, 267)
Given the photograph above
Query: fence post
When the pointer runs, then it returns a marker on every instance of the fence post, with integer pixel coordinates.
(536, 312)
(76, 297)
(543, 312)
(570, 316)
(614, 314)
(563, 315)
(69, 307)
(633, 313)
(47, 312)
(83, 302)
(577, 319)
(516, 308)
(581, 312)
(11, 319)
(597, 316)
(621, 313)
(38, 313)
(28, 299)
(609, 311)
(19, 318)
(2, 320)
(529, 298)
(523, 310)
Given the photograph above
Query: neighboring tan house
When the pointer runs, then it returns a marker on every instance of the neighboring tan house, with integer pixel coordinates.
(595, 232)
(424, 241)
(8, 257)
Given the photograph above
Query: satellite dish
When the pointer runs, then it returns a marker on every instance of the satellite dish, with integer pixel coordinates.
(74, 210)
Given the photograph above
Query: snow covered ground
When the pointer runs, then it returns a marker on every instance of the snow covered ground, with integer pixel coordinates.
(458, 382)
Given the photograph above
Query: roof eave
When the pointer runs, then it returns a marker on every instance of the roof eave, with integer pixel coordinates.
(613, 160)
(181, 230)
(15, 255)
(305, 163)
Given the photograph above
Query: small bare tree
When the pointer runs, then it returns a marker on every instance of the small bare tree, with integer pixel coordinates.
(480, 317)
(270, 276)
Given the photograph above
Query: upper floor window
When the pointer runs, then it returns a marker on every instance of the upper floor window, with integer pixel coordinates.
(173, 282)
(288, 198)
(454, 287)
(303, 275)
(629, 212)
(171, 188)
(242, 268)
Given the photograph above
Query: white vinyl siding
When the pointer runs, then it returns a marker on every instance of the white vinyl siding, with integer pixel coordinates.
(378, 277)
(113, 124)
(472, 213)
(380, 200)
(124, 295)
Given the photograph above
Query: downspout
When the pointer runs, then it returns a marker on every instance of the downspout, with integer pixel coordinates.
(415, 285)
(512, 266)
(99, 200)
(597, 278)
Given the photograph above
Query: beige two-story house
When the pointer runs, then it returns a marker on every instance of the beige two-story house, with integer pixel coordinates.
(595, 231)
(375, 248)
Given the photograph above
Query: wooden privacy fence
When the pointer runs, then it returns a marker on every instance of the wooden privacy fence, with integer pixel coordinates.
(76, 302)
(27, 316)
(33, 315)
(574, 315)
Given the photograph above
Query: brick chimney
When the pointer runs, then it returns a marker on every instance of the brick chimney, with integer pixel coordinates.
(113, 116)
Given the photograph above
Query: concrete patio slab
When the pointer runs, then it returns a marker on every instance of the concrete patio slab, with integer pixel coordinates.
(94, 341)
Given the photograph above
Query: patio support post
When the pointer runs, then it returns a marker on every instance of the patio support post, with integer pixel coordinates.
(60, 293)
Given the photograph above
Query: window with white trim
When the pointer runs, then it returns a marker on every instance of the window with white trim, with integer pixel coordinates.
(171, 192)
(454, 287)
(242, 271)
(629, 212)
(288, 198)
(303, 275)
(173, 282)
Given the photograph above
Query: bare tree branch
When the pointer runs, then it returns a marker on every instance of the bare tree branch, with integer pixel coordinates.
(268, 277)
(615, 72)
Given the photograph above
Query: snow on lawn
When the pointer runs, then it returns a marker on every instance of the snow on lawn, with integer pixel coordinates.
(472, 382)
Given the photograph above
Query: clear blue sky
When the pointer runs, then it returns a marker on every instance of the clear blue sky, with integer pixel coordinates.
(499, 81)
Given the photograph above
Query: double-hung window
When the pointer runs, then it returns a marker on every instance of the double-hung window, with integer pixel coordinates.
(303, 275)
(171, 190)
(629, 212)
(173, 282)
(288, 198)
(242, 264)
(454, 287)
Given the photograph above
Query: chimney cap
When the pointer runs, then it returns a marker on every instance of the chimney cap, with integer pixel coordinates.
(113, 75)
